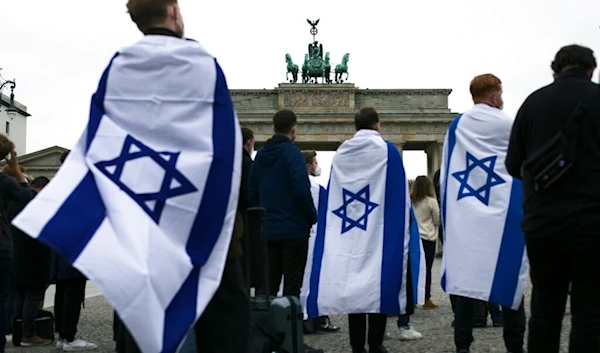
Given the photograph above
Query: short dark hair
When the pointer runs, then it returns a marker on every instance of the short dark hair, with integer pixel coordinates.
(573, 56)
(284, 121)
(247, 135)
(147, 13)
(366, 118)
(309, 156)
(39, 182)
(63, 156)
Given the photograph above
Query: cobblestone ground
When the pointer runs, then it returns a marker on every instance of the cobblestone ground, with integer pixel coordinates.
(434, 324)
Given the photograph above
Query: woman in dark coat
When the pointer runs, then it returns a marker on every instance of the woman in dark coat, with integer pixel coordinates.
(31, 273)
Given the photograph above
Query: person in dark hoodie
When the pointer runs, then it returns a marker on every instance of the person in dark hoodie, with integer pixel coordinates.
(279, 183)
(31, 269)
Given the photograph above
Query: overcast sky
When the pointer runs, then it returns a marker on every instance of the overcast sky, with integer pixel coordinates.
(57, 50)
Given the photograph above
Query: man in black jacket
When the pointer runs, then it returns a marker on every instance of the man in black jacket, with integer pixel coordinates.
(562, 223)
(255, 252)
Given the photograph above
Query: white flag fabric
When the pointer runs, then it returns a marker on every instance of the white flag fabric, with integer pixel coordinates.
(145, 203)
(484, 247)
(360, 258)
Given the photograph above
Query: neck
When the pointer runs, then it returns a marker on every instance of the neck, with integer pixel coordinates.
(486, 102)
(164, 27)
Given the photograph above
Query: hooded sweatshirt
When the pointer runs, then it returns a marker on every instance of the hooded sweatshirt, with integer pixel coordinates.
(278, 182)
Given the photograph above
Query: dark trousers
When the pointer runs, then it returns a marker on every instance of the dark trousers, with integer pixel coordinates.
(27, 303)
(5, 273)
(225, 324)
(514, 325)
(357, 325)
(556, 261)
(495, 313)
(429, 249)
(69, 296)
(287, 258)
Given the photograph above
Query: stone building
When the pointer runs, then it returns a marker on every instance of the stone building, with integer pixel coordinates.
(412, 119)
(15, 126)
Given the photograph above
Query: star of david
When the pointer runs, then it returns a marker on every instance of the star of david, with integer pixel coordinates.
(483, 192)
(173, 184)
(363, 197)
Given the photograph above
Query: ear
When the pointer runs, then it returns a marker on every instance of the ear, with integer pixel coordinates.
(591, 73)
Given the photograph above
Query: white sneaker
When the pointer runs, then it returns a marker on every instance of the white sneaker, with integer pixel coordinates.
(409, 334)
(60, 343)
(79, 345)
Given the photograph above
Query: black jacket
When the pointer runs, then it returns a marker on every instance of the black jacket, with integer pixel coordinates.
(10, 191)
(32, 260)
(572, 205)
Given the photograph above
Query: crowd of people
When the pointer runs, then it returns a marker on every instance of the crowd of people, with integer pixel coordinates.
(554, 233)
(29, 267)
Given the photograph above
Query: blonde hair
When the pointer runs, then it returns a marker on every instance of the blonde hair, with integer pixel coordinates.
(8, 170)
(482, 85)
(147, 13)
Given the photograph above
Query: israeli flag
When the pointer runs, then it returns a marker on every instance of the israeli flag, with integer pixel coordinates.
(145, 204)
(484, 247)
(360, 258)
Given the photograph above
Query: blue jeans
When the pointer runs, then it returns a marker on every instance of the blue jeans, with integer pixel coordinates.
(403, 320)
(5, 272)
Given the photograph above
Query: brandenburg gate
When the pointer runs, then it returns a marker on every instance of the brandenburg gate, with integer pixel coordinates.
(412, 119)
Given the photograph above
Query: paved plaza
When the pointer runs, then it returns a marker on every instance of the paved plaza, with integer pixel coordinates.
(96, 326)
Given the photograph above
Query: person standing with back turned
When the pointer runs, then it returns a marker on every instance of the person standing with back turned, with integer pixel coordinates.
(279, 183)
(562, 223)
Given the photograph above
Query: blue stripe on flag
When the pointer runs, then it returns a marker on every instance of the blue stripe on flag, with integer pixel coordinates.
(207, 227)
(451, 141)
(392, 263)
(69, 235)
(215, 200)
(414, 255)
(97, 105)
(181, 313)
(510, 258)
(312, 307)
(66, 234)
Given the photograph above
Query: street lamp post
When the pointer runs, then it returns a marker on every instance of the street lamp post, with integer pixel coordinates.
(11, 111)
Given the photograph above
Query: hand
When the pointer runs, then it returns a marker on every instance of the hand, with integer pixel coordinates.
(13, 162)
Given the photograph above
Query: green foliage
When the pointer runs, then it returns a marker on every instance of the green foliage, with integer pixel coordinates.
(410, 182)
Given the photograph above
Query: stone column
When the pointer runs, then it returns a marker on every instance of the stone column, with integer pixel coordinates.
(434, 157)
(400, 147)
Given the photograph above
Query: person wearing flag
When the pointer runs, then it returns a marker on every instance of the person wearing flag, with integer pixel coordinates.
(145, 204)
(484, 250)
(323, 323)
(360, 256)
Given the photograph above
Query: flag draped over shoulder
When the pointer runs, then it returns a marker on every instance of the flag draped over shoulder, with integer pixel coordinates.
(359, 263)
(145, 203)
(484, 247)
